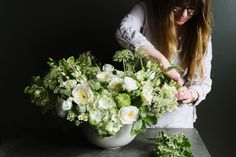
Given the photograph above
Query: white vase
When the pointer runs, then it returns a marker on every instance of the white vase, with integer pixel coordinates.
(122, 138)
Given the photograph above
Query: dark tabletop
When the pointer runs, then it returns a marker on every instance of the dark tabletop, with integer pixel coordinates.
(72, 143)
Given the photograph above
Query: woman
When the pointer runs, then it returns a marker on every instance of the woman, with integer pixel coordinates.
(178, 31)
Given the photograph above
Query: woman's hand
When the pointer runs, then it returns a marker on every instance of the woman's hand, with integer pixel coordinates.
(173, 74)
(155, 55)
(186, 95)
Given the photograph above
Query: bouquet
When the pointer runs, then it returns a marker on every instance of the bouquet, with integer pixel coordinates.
(82, 91)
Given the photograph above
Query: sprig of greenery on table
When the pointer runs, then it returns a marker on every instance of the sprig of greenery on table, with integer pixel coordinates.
(172, 145)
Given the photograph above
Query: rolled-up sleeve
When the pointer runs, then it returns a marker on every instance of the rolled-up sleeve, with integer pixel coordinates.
(204, 87)
(129, 33)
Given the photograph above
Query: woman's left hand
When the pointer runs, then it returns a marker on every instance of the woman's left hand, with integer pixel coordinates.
(185, 95)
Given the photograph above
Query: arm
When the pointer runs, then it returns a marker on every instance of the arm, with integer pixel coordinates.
(129, 36)
(197, 91)
(129, 33)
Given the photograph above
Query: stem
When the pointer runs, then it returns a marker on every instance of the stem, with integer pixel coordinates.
(141, 62)
(124, 66)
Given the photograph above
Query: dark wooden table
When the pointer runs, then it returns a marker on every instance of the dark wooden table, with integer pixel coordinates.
(71, 143)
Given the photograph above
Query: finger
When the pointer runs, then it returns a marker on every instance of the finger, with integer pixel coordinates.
(180, 82)
(181, 96)
(173, 74)
(182, 89)
(187, 101)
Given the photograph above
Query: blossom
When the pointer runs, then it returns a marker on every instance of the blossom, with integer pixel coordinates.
(67, 104)
(130, 84)
(82, 94)
(83, 117)
(146, 93)
(106, 103)
(140, 75)
(128, 114)
(123, 99)
(108, 68)
(95, 116)
(69, 84)
(112, 128)
(120, 74)
(116, 83)
(104, 76)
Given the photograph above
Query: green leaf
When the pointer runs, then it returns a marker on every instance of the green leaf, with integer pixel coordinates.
(70, 60)
(151, 120)
(138, 126)
(137, 101)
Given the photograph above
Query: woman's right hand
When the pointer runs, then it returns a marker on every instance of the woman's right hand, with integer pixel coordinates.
(172, 74)
(158, 56)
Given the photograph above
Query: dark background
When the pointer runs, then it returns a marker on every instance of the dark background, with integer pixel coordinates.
(32, 31)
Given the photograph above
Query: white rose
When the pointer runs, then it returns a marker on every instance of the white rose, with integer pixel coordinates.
(104, 76)
(146, 93)
(116, 83)
(130, 84)
(66, 105)
(108, 68)
(82, 94)
(106, 103)
(128, 114)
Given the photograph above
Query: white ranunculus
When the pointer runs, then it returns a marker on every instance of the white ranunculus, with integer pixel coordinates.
(116, 83)
(146, 93)
(108, 68)
(128, 114)
(82, 94)
(66, 105)
(104, 76)
(106, 103)
(130, 84)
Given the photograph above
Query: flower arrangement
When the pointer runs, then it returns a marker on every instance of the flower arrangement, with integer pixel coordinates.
(83, 91)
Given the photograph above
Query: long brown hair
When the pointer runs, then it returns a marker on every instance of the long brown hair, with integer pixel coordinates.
(164, 37)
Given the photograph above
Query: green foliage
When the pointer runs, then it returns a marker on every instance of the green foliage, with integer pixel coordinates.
(172, 146)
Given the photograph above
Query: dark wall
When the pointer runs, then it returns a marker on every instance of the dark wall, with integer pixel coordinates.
(32, 31)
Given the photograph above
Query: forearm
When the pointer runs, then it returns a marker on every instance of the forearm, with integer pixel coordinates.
(155, 54)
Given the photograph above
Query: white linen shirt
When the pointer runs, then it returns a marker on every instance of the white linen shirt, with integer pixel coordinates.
(133, 33)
